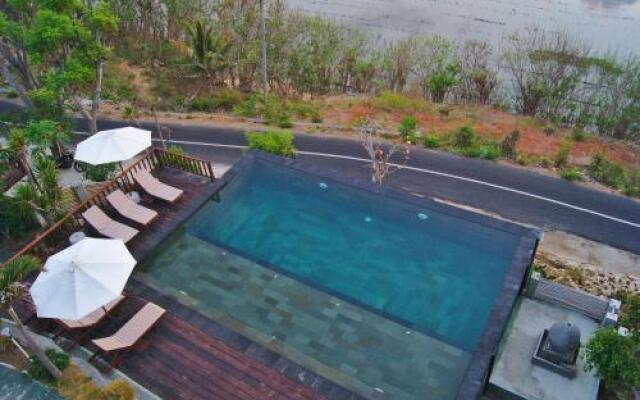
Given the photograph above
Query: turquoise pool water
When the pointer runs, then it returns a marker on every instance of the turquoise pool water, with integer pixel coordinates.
(372, 292)
(430, 271)
(16, 385)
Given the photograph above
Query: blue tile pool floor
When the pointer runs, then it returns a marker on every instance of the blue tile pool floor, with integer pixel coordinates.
(358, 349)
(384, 297)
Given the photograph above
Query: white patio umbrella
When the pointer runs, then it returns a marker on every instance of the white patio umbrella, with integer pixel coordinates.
(82, 278)
(113, 145)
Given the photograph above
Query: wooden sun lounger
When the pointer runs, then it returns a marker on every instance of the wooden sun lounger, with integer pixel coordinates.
(124, 340)
(85, 324)
(155, 188)
(129, 209)
(108, 227)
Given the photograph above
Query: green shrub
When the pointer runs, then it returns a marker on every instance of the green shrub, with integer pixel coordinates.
(523, 159)
(631, 191)
(316, 117)
(202, 104)
(630, 312)
(562, 156)
(549, 130)
(571, 174)
(284, 121)
(38, 372)
(544, 162)
(508, 145)
(248, 108)
(607, 172)
(444, 111)
(117, 86)
(275, 113)
(275, 142)
(614, 359)
(632, 186)
(101, 173)
(11, 94)
(431, 141)
(226, 99)
(223, 99)
(578, 134)
(175, 149)
(464, 137)
(407, 130)
(540, 269)
(487, 151)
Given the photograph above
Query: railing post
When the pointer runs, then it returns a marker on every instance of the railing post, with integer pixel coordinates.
(210, 167)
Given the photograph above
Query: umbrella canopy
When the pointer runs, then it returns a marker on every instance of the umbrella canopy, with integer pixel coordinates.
(113, 146)
(82, 278)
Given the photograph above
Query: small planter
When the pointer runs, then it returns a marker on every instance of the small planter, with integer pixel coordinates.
(65, 162)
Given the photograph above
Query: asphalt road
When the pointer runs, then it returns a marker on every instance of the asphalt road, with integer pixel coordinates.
(511, 192)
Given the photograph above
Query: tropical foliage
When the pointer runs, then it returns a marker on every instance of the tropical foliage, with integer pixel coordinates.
(53, 54)
(614, 358)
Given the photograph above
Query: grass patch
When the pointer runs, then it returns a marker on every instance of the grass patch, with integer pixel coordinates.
(75, 385)
(304, 109)
(392, 101)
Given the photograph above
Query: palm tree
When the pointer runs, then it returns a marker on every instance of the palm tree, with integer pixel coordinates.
(17, 144)
(47, 134)
(208, 50)
(11, 290)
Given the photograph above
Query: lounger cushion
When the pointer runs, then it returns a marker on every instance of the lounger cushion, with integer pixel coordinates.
(133, 330)
(129, 209)
(108, 227)
(155, 188)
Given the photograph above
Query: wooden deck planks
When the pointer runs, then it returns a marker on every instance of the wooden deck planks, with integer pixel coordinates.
(180, 361)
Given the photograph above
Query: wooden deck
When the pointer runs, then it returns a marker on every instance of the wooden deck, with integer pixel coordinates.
(187, 356)
(178, 361)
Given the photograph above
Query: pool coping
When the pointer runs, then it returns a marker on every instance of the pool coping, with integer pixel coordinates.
(477, 373)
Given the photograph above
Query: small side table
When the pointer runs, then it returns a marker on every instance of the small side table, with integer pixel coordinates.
(75, 237)
(134, 196)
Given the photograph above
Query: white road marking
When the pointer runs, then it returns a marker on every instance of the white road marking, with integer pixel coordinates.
(426, 171)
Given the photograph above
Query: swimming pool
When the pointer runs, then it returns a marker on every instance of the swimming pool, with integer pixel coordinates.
(377, 290)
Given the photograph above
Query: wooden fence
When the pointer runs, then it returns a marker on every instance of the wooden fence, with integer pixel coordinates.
(48, 241)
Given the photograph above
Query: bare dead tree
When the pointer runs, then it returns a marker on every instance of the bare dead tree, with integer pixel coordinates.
(164, 132)
(380, 152)
(479, 76)
(546, 70)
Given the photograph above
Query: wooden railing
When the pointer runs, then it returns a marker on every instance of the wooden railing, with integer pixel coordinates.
(58, 233)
